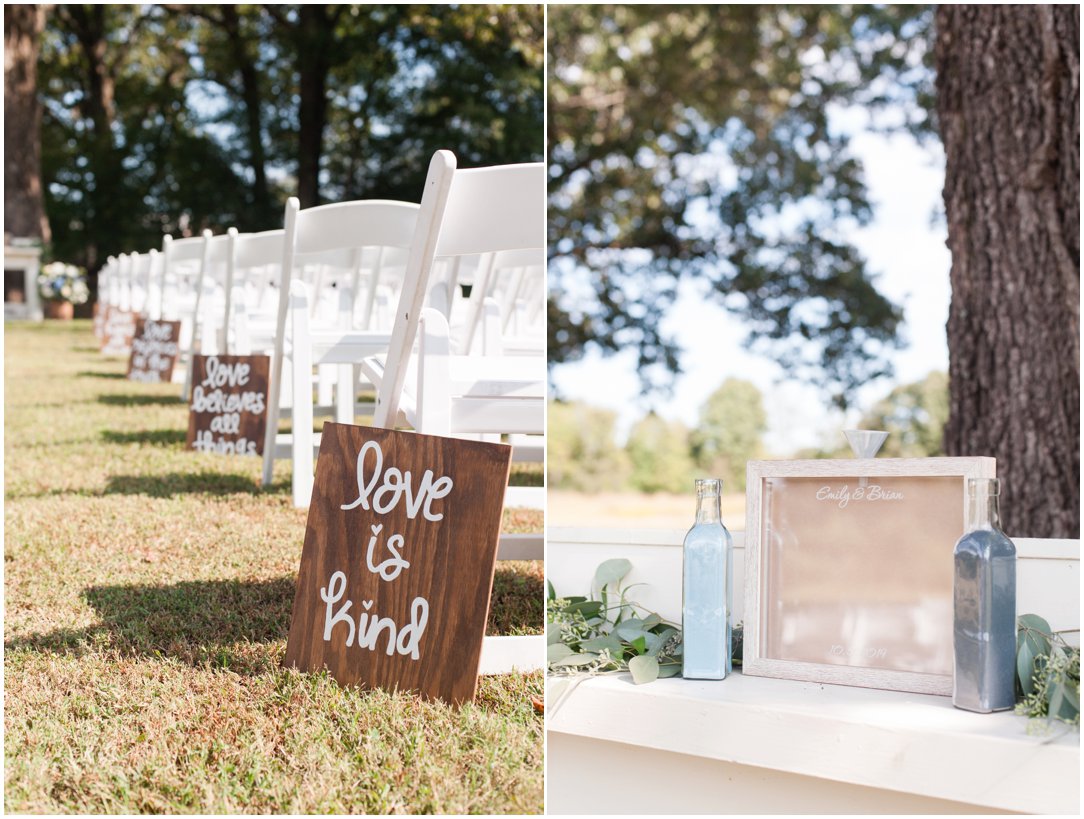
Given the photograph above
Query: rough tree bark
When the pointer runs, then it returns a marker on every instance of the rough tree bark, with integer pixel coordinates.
(24, 205)
(1008, 99)
(315, 40)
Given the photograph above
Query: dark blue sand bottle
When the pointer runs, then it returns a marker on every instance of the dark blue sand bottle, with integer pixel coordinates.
(984, 603)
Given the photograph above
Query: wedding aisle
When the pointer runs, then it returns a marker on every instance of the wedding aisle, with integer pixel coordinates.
(148, 593)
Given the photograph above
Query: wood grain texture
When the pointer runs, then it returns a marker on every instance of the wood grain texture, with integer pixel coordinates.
(759, 603)
(451, 562)
(224, 417)
(155, 347)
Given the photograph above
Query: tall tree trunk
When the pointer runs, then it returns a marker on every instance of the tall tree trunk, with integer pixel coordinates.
(250, 92)
(24, 204)
(315, 37)
(1008, 98)
(104, 222)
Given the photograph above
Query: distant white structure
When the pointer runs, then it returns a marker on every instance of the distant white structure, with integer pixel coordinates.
(22, 256)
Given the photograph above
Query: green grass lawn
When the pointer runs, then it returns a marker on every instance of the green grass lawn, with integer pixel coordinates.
(148, 593)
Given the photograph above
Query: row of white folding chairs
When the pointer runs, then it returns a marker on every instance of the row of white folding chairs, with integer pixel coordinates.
(182, 282)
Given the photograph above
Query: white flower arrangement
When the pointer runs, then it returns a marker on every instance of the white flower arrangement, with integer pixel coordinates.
(58, 281)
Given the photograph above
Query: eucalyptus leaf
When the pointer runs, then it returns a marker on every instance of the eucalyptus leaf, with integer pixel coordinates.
(1025, 667)
(644, 669)
(611, 571)
(588, 608)
(640, 645)
(1033, 621)
(669, 670)
(630, 631)
(557, 651)
(1055, 698)
(553, 633)
(607, 641)
(651, 621)
(575, 660)
(551, 593)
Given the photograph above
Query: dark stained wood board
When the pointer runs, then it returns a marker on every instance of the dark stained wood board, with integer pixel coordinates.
(118, 329)
(227, 413)
(451, 560)
(155, 348)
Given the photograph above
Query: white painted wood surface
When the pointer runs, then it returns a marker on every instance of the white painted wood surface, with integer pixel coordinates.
(803, 747)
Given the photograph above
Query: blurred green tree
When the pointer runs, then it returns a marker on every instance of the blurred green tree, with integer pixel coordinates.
(659, 452)
(696, 142)
(914, 416)
(732, 422)
(581, 451)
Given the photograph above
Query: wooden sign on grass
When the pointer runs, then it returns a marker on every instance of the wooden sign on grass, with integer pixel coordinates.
(154, 351)
(118, 330)
(397, 568)
(228, 412)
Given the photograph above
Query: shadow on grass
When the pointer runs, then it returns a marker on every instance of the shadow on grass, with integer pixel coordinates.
(96, 374)
(155, 437)
(129, 400)
(198, 622)
(183, 483)
(219, 622)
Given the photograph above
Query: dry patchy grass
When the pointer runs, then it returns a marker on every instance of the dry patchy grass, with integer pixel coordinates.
(147, 598)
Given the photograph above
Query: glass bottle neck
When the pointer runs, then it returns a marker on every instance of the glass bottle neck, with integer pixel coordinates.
(707, 509)
(983, 512)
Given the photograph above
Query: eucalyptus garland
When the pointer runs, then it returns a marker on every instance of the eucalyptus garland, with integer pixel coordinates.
(1047, 672)
(610, 633)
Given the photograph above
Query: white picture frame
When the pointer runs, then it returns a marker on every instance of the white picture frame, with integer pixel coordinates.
(830, 554)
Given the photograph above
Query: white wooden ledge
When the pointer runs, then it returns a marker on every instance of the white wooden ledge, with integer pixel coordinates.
(911, 743)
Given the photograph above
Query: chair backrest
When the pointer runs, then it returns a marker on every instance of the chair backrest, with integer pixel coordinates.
(327, 229)
(482, 210)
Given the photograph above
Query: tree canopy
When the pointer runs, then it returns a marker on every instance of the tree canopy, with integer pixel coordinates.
(732, 423)
(171, 118)
(697, 142)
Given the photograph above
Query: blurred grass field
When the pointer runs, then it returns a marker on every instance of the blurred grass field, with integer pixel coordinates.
(148, 593)
(633, 509)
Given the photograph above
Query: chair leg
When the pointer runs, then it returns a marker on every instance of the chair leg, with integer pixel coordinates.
(301, 422)
(346, 389)
(434, 376)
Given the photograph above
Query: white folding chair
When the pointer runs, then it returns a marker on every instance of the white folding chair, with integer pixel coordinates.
(327, 229)
(468, 212)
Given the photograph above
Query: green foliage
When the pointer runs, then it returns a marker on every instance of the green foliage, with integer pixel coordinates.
(732, 421)
(581, 453)
(1047, 672)
(659, 453)
(610, 633)
(694, 142)
(914, 416)
(607, 634)
(168, 118)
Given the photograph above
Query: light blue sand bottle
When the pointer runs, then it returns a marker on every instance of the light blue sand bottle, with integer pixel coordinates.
(984, 610)
(705, 610)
